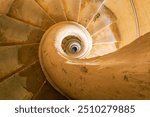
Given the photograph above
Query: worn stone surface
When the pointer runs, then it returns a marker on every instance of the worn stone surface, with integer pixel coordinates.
(13, 58)
(117, 23)
(23, 84)
(121, 75)
(16, 32)
(88, 9)
(54, 8)
(5, 5)
(29, 12)
(72, 9)
(102, 49)
(105, 41)
(47, 92)
(102, 19)
(106, 35)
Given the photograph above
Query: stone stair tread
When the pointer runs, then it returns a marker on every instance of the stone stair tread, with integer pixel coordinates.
(88, 9)
(30, 12)
(54, 9)
(13, 31)
(101, 20)
(16, 57)
(23, 84)
(72, 9)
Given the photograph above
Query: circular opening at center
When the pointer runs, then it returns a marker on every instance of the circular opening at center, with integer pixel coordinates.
(71, 45)
(74, 49)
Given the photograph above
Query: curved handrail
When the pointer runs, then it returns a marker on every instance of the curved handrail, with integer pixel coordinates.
(136, 18)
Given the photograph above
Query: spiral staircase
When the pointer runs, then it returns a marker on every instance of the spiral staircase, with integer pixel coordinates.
(74, 49)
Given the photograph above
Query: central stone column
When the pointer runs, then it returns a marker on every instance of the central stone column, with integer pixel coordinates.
(63, 42)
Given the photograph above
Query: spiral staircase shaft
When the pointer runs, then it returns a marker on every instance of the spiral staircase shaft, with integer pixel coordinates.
(29, 17)
(22, 24)
(120, 75)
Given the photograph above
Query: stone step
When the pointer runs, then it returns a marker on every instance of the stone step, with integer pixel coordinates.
(14, 58)
(72, 9)
(102, 19)
(54, 9)
(108, 34)
(13, 32)
(5, 6)
(102, 49)
(23, 84)
(30, 12)
(88, 10)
